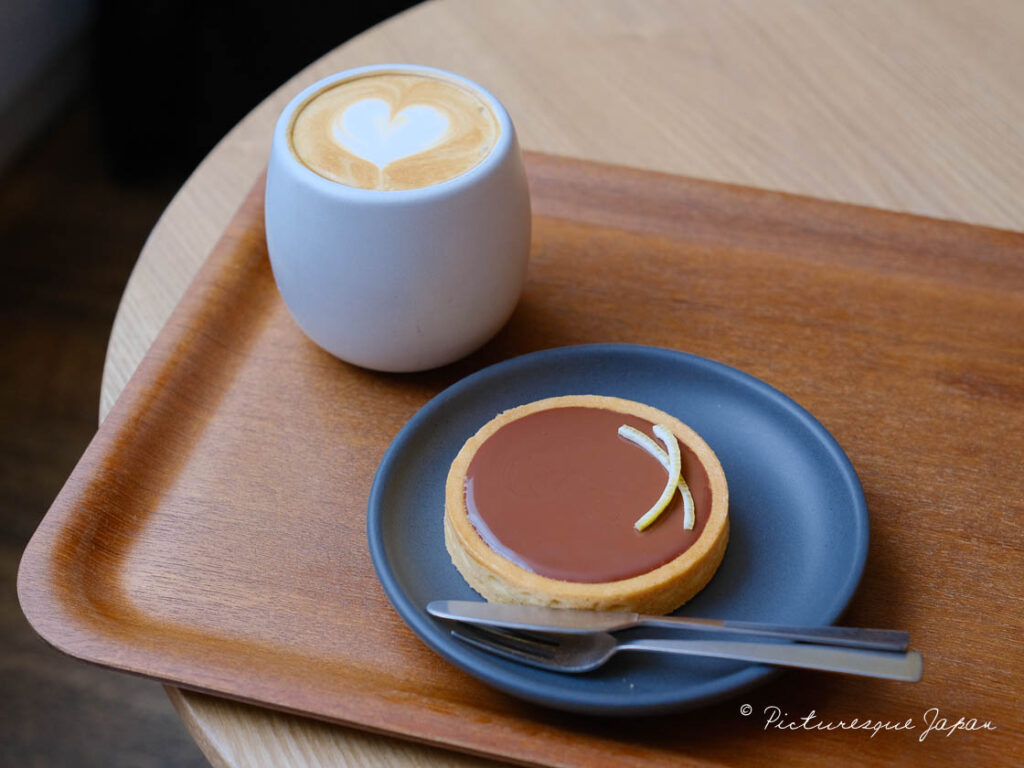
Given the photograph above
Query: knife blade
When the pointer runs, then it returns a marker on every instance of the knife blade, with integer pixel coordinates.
(561, 620)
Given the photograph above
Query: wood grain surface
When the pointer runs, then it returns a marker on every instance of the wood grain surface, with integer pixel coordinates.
(213, 533)
(912, 105)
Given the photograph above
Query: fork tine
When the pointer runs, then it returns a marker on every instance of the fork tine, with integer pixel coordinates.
(531, 639)
(508, 645)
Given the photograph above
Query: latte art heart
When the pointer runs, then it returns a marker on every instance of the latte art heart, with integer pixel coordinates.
(393, 131)
(368, 130)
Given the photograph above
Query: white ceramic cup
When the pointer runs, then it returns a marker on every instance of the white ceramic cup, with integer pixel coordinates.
(399, 280)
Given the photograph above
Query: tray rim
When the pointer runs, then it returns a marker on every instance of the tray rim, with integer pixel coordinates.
(35, 568)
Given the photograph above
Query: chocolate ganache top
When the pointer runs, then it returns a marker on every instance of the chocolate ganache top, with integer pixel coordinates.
(557, 492)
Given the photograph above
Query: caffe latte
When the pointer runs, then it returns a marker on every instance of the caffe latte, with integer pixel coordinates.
(393, 130)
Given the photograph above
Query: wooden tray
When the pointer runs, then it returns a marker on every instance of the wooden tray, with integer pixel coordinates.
(212, 535)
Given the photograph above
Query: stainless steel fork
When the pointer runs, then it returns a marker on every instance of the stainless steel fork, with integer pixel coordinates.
(582, 653)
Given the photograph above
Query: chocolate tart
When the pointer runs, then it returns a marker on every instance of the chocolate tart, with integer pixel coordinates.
(540, 505)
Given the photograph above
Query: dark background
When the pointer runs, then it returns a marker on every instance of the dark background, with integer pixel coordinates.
(173, 76)
(161, 82)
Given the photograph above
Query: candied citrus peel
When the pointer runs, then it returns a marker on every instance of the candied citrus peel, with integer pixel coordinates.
(672, 462)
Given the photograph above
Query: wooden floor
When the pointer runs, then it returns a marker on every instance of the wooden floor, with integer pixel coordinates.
(68, 239)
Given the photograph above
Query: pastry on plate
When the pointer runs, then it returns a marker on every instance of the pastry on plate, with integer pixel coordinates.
(587, 502)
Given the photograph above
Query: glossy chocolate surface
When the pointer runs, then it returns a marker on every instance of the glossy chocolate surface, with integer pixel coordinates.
(557, 492)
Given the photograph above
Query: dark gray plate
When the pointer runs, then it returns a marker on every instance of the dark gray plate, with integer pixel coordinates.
(798, 535)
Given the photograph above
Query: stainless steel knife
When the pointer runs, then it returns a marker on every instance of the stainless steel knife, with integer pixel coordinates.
(537, 619)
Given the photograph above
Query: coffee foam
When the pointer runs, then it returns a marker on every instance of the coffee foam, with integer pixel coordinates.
(393, 130)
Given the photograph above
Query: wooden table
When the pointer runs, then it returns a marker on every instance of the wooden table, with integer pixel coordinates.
(914, 105)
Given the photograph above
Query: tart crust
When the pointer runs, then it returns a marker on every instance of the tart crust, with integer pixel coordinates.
(657, 591)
